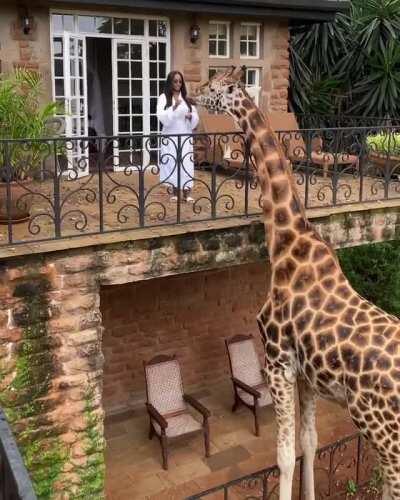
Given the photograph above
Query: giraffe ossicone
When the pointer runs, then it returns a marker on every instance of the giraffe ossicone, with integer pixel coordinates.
(317, 331)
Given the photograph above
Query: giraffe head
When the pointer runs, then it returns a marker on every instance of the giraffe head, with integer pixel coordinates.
(223, 92)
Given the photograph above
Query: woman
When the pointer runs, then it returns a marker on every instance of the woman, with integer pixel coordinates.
(178, 116)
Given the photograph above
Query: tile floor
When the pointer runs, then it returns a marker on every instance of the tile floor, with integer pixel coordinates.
(133, 462)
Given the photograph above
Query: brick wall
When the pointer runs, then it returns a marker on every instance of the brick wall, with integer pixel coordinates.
(280, 69)
(189, 315)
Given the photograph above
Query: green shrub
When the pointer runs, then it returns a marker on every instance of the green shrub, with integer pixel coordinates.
(22, 117)
(374, 272)
(385, 143)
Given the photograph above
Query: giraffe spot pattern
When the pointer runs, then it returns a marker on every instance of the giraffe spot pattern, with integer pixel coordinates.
(280, 191)
(282, 240)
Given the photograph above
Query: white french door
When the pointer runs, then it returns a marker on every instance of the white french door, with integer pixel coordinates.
(75, 89)
(131, 110)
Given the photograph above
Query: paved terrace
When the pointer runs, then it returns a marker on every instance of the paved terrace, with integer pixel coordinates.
(133, 463)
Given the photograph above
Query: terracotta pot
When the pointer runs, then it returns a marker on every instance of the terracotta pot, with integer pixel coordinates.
(382, 160)
(20, 204)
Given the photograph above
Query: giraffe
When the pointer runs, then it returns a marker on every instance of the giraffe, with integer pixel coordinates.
(319, 334)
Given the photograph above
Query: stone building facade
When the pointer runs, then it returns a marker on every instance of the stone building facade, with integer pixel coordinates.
(191, 37)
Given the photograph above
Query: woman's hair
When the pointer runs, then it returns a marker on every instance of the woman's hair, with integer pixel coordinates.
(168, 89)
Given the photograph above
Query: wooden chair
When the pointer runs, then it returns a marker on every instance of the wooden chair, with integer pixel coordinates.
(167, 405)
(248, 383)
(295, 148)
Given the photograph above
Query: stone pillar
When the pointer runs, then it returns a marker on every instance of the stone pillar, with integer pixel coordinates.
(280, 69)
(51, 372)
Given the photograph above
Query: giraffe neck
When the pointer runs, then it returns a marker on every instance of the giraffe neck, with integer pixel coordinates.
(284, 214)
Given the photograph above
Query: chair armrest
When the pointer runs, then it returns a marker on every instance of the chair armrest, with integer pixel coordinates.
(197, 405)
(157, 416)
(316, 144)
(247, 388)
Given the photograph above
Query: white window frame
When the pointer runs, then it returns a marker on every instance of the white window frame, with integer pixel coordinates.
(228, 40)
(257, 87)
(247, 56)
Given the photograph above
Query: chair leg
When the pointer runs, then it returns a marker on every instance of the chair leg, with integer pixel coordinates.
(235, 404)
(164, 450)
(257, 426)
(151, 431)
(207, 438)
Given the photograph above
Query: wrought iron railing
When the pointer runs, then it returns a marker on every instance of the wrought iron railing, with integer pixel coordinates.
(15, 483)
(68, 187)
(344, 469)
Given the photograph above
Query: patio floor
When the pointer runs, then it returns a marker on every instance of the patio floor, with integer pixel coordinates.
(133, 463)
(80, 201)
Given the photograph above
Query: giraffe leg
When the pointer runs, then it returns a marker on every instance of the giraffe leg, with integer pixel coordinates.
(390, 466)
(391, 486)
(308, 436)
(283, 398)
(386, 492)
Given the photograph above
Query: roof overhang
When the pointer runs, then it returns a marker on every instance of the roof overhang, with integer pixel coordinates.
(296, 10)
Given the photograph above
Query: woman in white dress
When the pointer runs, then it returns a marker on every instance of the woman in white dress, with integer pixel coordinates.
(178, 116)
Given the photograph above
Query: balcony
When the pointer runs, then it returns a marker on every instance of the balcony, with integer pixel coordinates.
(71, 188)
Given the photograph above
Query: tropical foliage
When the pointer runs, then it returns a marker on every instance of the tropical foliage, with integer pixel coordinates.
(23, 117)
(353, 62)
(374, 271)
(385, 143)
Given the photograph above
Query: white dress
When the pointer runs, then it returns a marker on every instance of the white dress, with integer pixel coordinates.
(174, 122)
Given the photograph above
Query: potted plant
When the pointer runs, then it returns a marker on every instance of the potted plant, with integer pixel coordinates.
(384, 151)
(22, 121)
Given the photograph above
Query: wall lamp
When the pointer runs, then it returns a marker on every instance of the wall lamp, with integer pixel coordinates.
(26, 21)
(194, 33)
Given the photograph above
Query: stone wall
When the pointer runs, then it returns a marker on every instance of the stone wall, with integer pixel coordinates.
(31, 51)
(51, 357)
(188, 315)
(280, 69)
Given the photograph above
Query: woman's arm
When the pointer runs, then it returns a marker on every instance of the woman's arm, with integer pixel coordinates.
(164, 115)
(195, 118)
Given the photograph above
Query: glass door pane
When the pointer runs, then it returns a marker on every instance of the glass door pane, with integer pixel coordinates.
(130, 101)
(76, 123)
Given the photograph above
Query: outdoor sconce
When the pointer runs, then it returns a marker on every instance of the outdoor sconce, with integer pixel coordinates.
(194, 33)
(26, 22)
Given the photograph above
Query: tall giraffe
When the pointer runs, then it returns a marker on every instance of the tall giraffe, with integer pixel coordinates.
(317, 330)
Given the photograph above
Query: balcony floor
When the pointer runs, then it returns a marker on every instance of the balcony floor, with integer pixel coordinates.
(133, 463)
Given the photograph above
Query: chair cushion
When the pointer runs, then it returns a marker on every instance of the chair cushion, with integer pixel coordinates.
(245, 362)
(178, 425)
(164, 387)
(264, 400)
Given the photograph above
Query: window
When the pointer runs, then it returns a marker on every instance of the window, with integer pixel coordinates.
(250, 40)
(213, 71)
(251, 80)
(218, 39)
